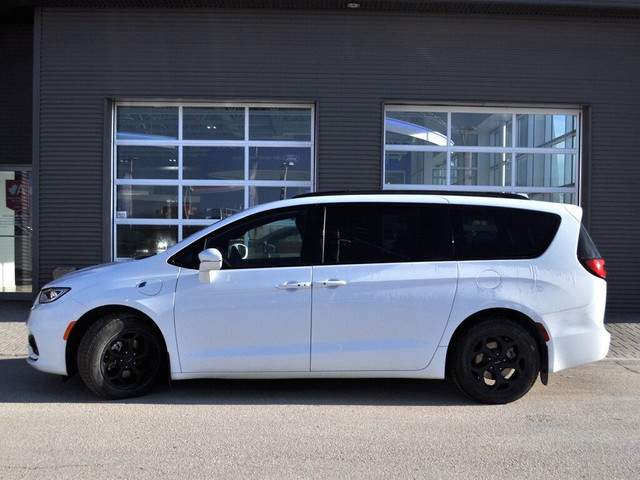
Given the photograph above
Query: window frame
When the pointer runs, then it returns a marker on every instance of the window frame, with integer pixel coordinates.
(180, 182)
(512, 154)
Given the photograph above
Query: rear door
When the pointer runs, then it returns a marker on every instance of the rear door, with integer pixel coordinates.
(383, 291)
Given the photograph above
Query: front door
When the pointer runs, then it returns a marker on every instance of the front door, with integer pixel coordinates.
(255, 313)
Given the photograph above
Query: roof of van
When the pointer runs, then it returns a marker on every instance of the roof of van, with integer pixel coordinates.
(447, 193)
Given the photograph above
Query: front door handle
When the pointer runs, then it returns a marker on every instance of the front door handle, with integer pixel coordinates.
(330, 283)
(294, 286)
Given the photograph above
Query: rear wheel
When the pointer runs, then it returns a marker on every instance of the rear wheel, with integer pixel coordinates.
(496, 361)
(120, 356)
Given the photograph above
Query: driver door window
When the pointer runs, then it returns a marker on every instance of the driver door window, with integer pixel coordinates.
(273, 241)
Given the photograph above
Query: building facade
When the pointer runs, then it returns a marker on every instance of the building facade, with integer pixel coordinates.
(145, 123)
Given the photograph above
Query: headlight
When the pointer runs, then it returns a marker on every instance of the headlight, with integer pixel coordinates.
(48, 295)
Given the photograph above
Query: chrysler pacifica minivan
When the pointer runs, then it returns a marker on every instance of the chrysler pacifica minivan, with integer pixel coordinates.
(490, 291)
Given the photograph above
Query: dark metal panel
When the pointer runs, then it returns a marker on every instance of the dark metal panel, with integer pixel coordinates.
(597, 8)
(349, 65)
(15, 93)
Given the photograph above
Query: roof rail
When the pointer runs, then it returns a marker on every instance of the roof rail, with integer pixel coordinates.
(458, 193)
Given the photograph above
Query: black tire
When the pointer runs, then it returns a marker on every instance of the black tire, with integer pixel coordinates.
(121, 356)
(496, 361)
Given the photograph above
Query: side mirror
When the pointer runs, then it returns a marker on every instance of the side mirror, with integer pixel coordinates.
(210, 262)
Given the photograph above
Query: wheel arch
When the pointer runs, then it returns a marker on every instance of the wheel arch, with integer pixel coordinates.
(84, 323)
(535, 329)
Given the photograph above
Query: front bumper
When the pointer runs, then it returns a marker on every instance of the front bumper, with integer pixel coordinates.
(47, 324)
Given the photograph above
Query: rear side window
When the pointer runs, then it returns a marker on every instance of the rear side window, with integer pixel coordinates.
(386, 233)
(492, 233)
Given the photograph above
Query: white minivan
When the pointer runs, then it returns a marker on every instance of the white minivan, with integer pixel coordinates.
(488, 290)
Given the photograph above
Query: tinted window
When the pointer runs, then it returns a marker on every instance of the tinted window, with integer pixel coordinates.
(586, 248)
(383, 233)
(483, 233)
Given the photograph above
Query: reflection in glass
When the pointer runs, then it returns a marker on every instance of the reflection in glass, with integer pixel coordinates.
(547, 131)
(147, 123)
(464, 168)
(547, 170)
(280, 163)
(189, 230)
(288, 124)
(146, 201)
(147, 162)
(560, 197)
(415, 168)
(480, 169)
(260, 195)
(139, 240)
(213, 163)
(212, 202)
(480, 129)
(499, 169)
(416, 128)
(213, 123)
(430, 168)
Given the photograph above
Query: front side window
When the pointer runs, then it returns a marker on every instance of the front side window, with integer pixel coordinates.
(178, 168)
(535, 152)
(275, 239)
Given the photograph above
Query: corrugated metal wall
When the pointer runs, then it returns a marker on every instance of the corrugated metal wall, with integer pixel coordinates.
(350, 63)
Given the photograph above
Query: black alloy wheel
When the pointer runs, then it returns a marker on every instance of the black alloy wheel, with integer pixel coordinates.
(496, 361)
(120, 356)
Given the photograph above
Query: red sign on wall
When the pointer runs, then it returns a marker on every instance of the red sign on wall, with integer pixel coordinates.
(17, 194)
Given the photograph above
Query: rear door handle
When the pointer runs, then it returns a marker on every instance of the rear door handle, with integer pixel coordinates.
(330, 283)
(294, 286)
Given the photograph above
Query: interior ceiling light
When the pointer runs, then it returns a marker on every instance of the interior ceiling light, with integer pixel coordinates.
(353, 5)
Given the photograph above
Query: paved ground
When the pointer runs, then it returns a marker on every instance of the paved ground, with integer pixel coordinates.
(625, 336)
(585, 427)
(624, 329)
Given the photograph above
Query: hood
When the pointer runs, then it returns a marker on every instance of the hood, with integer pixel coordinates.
(94, 268)
(88, 275)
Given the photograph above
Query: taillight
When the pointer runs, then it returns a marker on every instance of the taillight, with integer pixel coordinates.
(589, 256)
(596, 266)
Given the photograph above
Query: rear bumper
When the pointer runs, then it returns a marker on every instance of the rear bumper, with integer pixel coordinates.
(577, 338)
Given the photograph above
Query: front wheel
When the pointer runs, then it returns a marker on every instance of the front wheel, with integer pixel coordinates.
(120, 356)
(496, 361)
